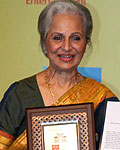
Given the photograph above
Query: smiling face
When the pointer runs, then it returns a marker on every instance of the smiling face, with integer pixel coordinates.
(65, 43)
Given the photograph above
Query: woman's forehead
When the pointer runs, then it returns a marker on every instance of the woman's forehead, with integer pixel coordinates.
(65, 23)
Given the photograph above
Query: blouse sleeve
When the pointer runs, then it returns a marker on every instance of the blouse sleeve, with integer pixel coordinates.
(11, 111)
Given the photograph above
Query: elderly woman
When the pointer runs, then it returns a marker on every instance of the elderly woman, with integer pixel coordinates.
(65, 28)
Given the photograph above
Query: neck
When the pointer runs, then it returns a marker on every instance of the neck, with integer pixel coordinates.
(62, 78)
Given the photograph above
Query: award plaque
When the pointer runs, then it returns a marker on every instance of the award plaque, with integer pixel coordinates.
(69, 127)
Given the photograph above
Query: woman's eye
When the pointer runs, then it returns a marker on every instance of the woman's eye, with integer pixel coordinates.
(76, 38)
(57, 38)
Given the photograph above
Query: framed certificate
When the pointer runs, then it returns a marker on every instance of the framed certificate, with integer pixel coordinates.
(69, 127)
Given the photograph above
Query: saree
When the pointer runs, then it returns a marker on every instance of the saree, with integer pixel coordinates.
(89, 90)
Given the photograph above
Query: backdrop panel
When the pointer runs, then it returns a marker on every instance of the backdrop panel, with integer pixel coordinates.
(20, 53)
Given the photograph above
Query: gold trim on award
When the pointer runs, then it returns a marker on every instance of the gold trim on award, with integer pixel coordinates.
(61, 127)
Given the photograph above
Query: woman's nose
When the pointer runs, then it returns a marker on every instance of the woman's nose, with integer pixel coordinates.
(66, 44)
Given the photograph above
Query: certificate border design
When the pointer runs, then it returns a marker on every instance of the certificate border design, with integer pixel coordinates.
(37, 127)
(81, 114)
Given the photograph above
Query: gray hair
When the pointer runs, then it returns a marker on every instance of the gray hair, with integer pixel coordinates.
(61, 7)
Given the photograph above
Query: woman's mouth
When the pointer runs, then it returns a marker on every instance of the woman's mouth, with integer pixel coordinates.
(66, 57)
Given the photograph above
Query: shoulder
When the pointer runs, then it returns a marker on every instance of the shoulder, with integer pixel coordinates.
(98, 87)
(30, 81)
(93, 82)
(17, 90)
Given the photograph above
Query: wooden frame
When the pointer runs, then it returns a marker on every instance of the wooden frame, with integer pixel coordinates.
(40, 122)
